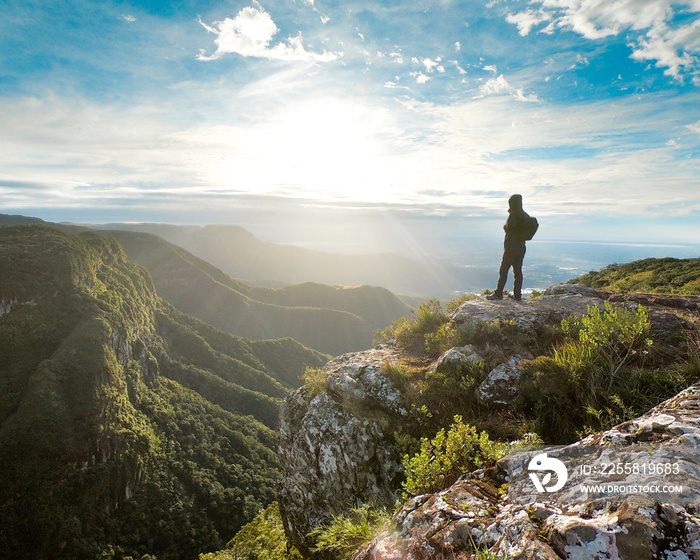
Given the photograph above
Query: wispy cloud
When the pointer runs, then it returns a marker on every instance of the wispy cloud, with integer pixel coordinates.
(492, 143)
(499, 85)
(250, 33)
(528, 19)
(661, 31)
(459, 99)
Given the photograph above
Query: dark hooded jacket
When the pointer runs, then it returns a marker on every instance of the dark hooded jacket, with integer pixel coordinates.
(515, 239)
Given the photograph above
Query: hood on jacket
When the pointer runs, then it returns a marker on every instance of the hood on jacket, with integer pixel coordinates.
(515, 202)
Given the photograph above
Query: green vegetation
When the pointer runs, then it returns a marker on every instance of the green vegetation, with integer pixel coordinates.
(425, 330)
(602, 368)
(668, 276)
(261, 539)
(606, 370)
(130, 429)
(346, 533)
(329, 318)
(126, 428)
(439, 462)
(443, 459)
(314, 380)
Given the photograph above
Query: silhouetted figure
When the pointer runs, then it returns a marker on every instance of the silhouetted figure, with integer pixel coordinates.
(519, 227)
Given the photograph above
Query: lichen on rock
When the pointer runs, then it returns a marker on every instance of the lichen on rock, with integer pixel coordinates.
(336, 448)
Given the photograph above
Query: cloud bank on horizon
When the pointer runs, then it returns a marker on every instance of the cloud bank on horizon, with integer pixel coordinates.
(199, 110)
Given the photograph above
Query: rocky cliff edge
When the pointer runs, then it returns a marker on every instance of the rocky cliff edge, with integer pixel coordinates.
(337, 451)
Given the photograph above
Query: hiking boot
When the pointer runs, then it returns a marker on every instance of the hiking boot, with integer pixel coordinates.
(516, 298)
(494, 296)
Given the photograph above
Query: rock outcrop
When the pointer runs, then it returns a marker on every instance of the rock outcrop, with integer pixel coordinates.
(471, 515)
(559, 302)
(336, 448)
(337, 451)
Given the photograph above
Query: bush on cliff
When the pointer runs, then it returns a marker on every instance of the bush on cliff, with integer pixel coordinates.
(443, 459)
(261, 539)
(603, 373)
(666, 276)
(347, 532)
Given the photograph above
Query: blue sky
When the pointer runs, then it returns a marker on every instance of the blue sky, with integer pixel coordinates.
(213, 111)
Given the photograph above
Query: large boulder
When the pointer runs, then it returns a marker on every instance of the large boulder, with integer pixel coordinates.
(455, 360)
(336, 448)
(529, 314)
(558, 302)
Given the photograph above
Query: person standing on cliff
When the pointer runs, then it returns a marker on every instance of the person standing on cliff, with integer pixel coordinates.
(518, 228)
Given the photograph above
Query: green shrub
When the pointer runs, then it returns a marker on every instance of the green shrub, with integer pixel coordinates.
(665, 275)
(433, 397)
(452, 305)
(410, 332)
(609, 340)
(601, 374)
(261, 539)
(443, 459)
(348, 532)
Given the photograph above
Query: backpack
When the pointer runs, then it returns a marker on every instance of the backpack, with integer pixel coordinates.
(529, 227)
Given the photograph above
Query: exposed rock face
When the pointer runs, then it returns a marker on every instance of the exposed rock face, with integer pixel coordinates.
(336, 448)
(449, 524)
(559, 302)
(336, 451)
(532, 313)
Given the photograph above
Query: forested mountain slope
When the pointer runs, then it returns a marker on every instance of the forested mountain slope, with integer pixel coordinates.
(667, 275)
(328, 318)
(126, 427)
(331, 319)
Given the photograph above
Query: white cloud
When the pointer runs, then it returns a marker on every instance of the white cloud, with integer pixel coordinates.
(525, 21)
(490, 143)
(129, 18)
(495, 86)
(520, 96)
(657, 35)
(420, 77)
(429, 64)
(250, 34)
(665, 46)
(491, 68)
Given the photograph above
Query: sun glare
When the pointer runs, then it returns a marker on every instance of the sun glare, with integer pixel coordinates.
(323, 149)
(330, 146)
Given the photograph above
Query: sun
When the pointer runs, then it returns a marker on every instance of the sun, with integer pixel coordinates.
(331, 147)
(324, 149)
